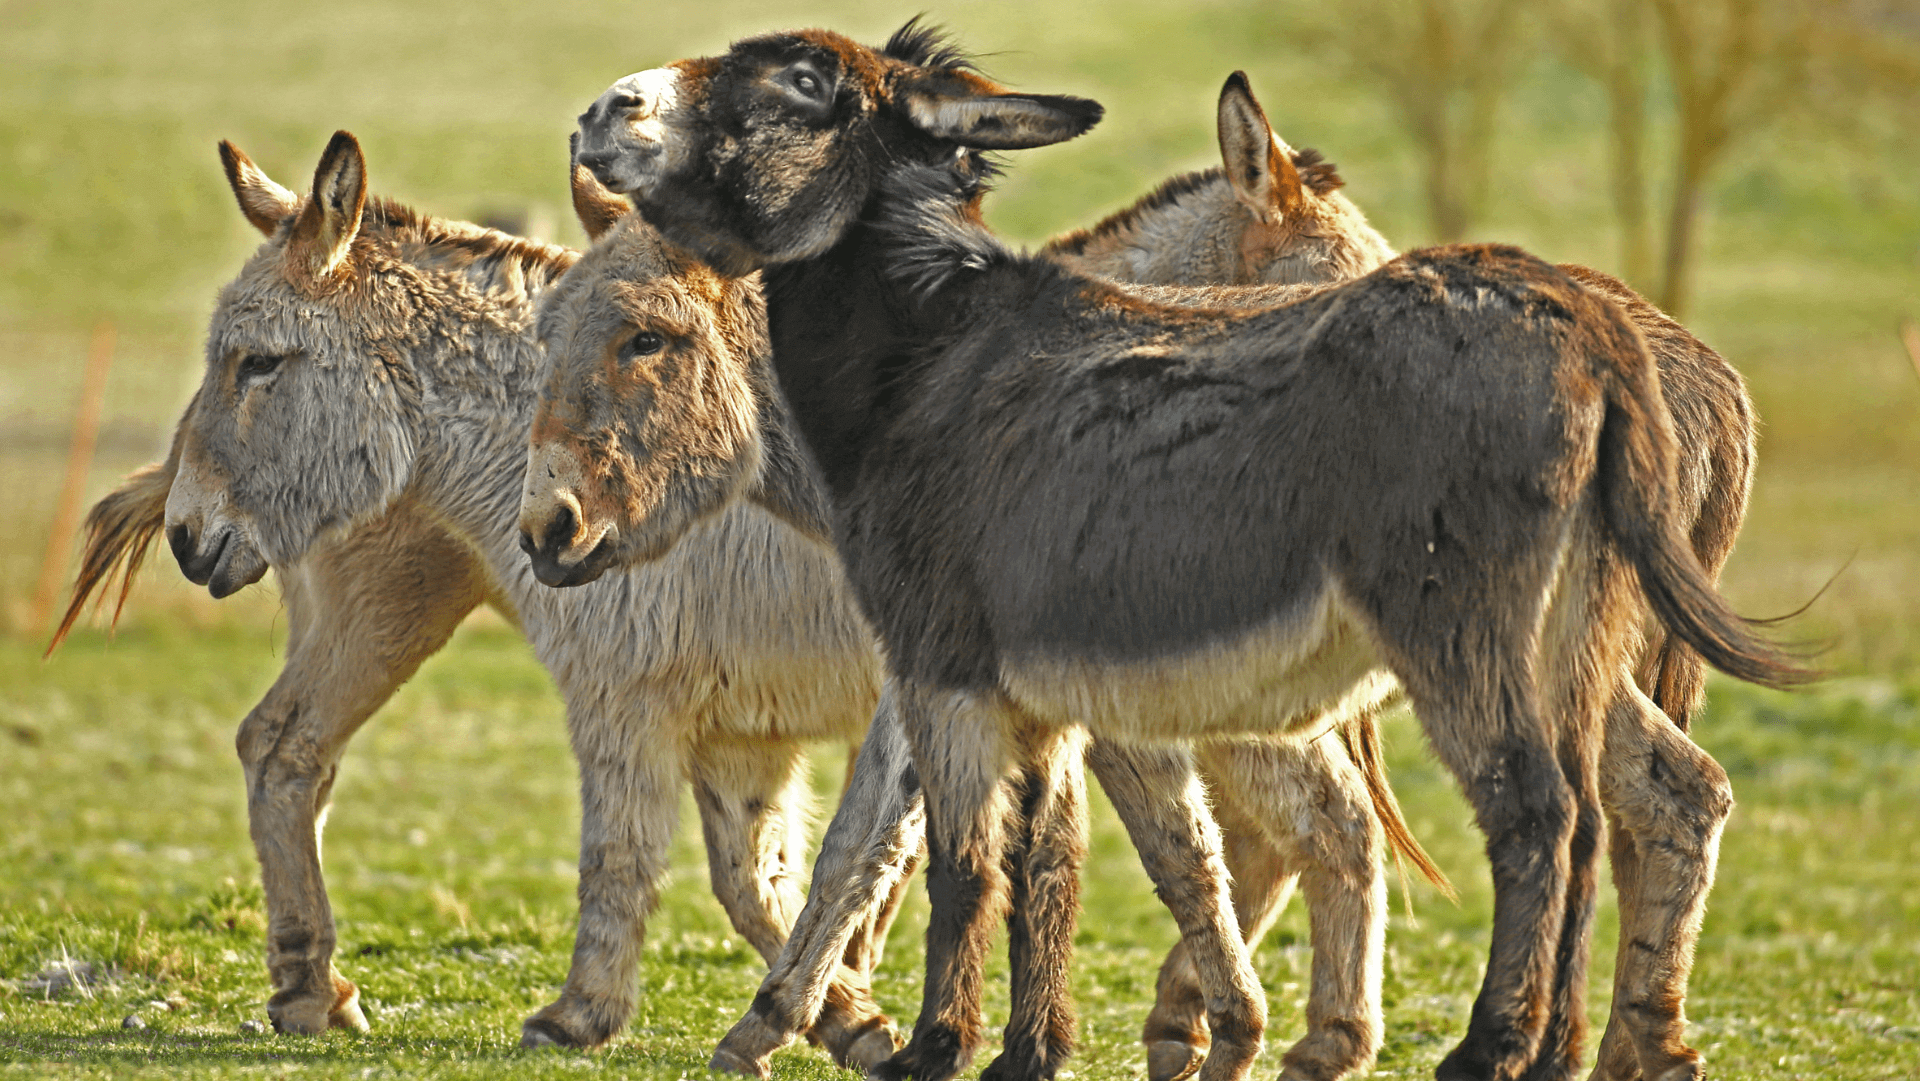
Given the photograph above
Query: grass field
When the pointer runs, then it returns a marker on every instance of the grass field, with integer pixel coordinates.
(124, 846)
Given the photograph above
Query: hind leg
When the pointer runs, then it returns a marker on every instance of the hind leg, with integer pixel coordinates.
(1043, 862)
(1159, 799)
(1494, 740)
(1311, 802)
(1176, 1034)
(869, 849)
(1668, 801)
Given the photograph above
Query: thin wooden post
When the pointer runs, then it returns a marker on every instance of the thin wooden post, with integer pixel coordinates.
(66, 516)
(1910, 337)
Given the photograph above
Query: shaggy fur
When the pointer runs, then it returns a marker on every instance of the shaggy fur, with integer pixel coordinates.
(1317, 810)
(1303, 232)
(377, 464)
(1062, 505)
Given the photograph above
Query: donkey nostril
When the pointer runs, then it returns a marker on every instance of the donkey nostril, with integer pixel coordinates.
(559, 532)
(180, 539)
(627, 101)
(527, 545)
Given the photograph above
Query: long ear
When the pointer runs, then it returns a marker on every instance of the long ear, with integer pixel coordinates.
(1259, 166)
(265, 203)
(995, 120)
(598, 207)
(324, 234)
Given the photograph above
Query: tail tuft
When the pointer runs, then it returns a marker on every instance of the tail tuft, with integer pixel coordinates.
(120, 531)
(1361, 737)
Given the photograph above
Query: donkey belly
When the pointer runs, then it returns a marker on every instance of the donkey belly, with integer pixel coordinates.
(1290, 678)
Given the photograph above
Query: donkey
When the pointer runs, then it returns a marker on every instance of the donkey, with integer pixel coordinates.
(1065, 507)
(352, 613)
(1291, 811)
(1272, 214)
(361, 428)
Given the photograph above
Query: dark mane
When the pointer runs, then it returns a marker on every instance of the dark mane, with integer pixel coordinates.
(1316, 173)
(460, 244)
(1170, 191)
(927, 46)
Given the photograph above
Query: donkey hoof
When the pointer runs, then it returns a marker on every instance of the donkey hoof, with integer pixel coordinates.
(1171, 1060)
(870, 1050)
(726, 1061)
(346, 1011)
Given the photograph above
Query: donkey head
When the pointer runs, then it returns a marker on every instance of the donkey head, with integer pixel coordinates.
(770, 152)
(647, 421)
(303, 418)
(1295, 227)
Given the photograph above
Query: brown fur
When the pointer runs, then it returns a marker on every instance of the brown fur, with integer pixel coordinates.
(1497, 414)
(1713, 421)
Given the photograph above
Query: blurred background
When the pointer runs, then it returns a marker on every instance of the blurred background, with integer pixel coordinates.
(1753, 165)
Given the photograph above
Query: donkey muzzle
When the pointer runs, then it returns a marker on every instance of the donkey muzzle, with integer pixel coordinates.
(556, 540)
(225, 563)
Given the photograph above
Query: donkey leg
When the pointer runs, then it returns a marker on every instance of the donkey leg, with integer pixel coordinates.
(630, 771)
(868, 851)
(963, 743)
(361, 618)
(1043, 862)
(747, 791)
(1312, 803)
(1159, 800)
(1669, 801)
(1495, 741)
(1176, 1033)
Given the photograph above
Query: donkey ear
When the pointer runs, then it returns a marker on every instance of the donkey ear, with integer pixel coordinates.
(265, 203)
(597, 206)
(1258, 165)
(1000, 121)
(324, 234)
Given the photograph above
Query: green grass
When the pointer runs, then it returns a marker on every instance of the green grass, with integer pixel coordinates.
(450, 865)
(451, 849)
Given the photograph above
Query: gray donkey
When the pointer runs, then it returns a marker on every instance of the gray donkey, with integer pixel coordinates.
(1067, 507)
(362, 428)
(378, 590)
(1271, 214)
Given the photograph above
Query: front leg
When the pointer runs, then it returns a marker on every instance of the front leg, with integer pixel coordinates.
(962, 749)
(360, 622)
(630, 769)
(868, 851)
(1043, 863)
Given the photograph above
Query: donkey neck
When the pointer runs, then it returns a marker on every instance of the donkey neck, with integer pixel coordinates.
(841, 332)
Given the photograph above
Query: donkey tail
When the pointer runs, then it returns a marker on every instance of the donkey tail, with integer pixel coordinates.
(1637, 453)
(1361, 737)
(120, 531)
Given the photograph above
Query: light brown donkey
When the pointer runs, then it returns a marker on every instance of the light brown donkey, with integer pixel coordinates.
(361, 428)
(1272, 214)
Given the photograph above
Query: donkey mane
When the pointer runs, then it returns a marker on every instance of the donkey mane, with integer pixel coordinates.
(928, 46)
(931, 220)
(1317, 174)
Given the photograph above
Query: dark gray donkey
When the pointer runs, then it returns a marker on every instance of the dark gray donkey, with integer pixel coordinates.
(1067, 507)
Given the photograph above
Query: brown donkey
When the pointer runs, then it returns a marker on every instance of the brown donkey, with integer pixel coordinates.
(362, 428)
(1064, 506)
(1294, 810)
(1271, 214)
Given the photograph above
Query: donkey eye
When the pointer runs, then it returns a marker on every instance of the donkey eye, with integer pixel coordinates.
(644, 344)
(255, 365)
(809, 84)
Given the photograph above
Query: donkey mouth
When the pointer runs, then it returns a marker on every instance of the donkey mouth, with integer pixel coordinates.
(549, 571)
